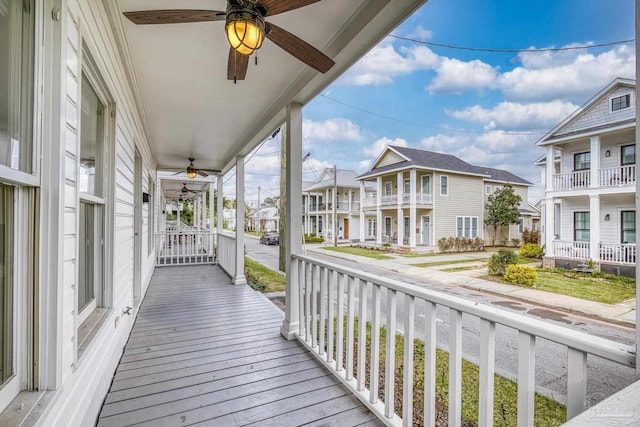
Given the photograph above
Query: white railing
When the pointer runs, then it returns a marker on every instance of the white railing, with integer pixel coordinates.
(390, 200)
(370, 203)
(424, 199)
(624, 253)
(619, 175)
(226, 253)
(335, 296)
(571, 180)
(355, 206)
(179, 247)
(567, 249)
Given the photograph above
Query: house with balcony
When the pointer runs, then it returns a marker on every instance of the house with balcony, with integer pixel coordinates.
(589, 179)
(422, 196)
(111, 316)
(332, 205)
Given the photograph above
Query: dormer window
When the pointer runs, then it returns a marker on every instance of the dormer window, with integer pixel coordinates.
(620, 102)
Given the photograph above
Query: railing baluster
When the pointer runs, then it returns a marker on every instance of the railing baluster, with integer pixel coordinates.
(314, 299)
(526, 378)
(340, 328)
(351, 296)
(455, 368)
(430, 364)
(576, 382)
(362, 334)
(324, 287)
(332, 279)
(374, 372)
(390, 355)
(310, 278)
(487, 369)
(407, 381)
(302, 290)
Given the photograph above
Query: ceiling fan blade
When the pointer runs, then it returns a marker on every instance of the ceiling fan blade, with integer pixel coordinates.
(237, 65)
(202, 173)
(279, 6)
(174, 16)
(299, 48)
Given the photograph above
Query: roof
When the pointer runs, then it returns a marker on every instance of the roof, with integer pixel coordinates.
(440, 161)
(346, 179)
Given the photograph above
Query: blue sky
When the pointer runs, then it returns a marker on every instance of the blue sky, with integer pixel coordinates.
(488, 108)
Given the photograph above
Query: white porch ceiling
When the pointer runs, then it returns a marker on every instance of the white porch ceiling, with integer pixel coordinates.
(192, 110)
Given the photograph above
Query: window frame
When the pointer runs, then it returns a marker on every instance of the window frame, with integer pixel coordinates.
(388, 221)
(487, 190)
(622, 227)
(577, 230)
(575, 161)
(617, 106)
(467, 226)
(388, 188)
(446, 185)
(622, 147)
(521, 225)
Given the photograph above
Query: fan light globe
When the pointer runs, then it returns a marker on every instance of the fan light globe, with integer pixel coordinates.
(245, 31)
(191, 172)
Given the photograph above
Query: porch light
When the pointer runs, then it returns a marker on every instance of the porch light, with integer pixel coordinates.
(245, 30)
(191, 171)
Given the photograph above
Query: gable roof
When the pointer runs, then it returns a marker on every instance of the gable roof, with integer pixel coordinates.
(346, 178)
(564, 130)
(443, 162)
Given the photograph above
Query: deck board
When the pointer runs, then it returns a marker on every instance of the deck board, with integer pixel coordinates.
(206, 352)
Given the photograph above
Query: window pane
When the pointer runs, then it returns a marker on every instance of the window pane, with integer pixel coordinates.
(581, 226)
(581, 161)
(91, 144)
(620, 102)
(628, 227)
(16, 83)
(6, 282)
(407, 186)
(474, 227)
(426, 184)
(459, 227)
(628, 156)
(444, 183)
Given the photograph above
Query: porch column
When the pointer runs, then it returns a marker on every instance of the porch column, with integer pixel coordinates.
(293, 206)
(594, 234)
(363, 226)
(179, 206)
(196, 213)
(549, 168)
(413, 187)
(595, 161)
(549, 226)
(400, 212)
(239, 279)
(379, 224)
(220, 207)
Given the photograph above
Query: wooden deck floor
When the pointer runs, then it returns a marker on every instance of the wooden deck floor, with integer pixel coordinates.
(206, 352)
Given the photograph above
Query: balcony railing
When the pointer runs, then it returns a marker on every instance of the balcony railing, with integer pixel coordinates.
(180, 247)
(572, 180)
(623, 253)
(370, 203)
(331, 297)
(620, 175)
(226, 253)
(568, 249)
(390, 200)
(607, 177)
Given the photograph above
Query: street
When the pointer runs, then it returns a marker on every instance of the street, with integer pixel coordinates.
(604, 377)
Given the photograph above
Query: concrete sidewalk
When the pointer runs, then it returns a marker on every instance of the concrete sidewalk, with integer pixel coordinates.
(623, 313)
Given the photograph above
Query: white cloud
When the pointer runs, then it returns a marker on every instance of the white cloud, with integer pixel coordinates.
(420, 33)
(455, 76)
(336, 129)
(444, 143)
(376, 148)
(513, 115)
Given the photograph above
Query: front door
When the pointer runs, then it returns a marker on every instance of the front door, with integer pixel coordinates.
(425, 230)
(346, 228)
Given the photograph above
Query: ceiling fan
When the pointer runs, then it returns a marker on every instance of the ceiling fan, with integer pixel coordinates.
(246, 29)
(192, 171)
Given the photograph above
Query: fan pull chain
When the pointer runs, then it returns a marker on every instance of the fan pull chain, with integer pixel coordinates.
(256, 58)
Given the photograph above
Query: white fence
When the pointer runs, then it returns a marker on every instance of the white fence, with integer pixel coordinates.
(331, 293)
(567, 249)
(179, 247)
(227, 253)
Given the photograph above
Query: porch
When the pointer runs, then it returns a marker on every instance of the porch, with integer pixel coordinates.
(203, 351)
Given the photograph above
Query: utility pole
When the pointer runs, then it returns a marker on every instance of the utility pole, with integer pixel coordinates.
(258, 211)
(335, 207)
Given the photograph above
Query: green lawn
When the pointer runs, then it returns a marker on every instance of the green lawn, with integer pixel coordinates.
(263, 279)
(457, 261)
(369, 253)
(599, 287)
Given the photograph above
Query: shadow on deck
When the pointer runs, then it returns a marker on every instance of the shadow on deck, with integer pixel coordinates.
(205, 352)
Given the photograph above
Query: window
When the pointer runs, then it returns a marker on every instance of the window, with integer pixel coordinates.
(371, 228)
(426, 184)
(444, 185)
(497, 188)
(467, 226)
(387, 226)
(388, 188)
(407, 186)
(628, 154)
(487, 189)
(407, 227)
(150, 216)
(581, 161)
(17, 25)
(628, 227)
(91, 146)
(581, 221)
(6, 282)
(521, 225)
(621, 102)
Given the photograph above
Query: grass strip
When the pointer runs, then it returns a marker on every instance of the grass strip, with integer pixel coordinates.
(450, 262)
(263, 279)
(369, 253)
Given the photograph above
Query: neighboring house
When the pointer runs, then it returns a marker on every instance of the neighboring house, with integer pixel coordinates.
(266, 219)
(423, 196)
(589, 178)
(229, 216)
(320, 217)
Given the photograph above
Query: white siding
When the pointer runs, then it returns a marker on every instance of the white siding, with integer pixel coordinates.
(389, 159)
(466, 198)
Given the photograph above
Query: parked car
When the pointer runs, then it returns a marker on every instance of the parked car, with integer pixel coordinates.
(270, 239)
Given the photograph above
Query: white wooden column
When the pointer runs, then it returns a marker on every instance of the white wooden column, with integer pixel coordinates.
(220, 204)
(379, 224)
(363, 220)
(637, 200)
(413, 187)
(595, 162)
(594, 224)
(549, 226)
(239, 278)
(399, 210)
(293, 229)
(549, 168)
(196, 213)
(210, 215)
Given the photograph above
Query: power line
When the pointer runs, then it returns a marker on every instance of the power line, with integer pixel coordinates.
(501, 50)
(421, 124)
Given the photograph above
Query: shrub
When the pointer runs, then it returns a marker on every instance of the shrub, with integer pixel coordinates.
(521, 275)
(529, 236)
(312, 238)
(500, 260)
(516, 242)
(531, 250)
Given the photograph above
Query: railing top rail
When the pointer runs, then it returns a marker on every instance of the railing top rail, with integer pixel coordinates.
(607, 349)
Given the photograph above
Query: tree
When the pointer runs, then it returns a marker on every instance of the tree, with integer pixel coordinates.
(502, 209)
